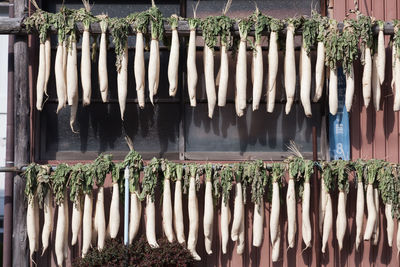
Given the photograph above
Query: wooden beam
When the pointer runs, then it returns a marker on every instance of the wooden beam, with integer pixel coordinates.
(16, 26)
(21, 148)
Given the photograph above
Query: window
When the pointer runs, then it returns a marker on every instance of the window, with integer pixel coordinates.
(172, 128)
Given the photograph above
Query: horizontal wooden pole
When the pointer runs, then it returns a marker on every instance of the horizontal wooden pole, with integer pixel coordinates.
(14, 26)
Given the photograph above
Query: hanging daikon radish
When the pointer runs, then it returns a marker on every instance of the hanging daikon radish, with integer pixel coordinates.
(119, 29)
(241, 64)
(396, 66)
(75, 183)
(359, 168)
(41, 22)
(310, 30)
(290, 66)
(306, 228)
(258, 183)
(375, 83)
(47, 48)
(86, 18)
(341, 170)
(72, 79)
(387, 184)
(273, 63)
(333, 93)
(373, 167)
(102, 166)
(59, 70)
(226, 187)
(260, 22)
(208, 219)
(381, 52)
(327, 185)
(238, 205)
(210, 36)
(173, 62)
(157, 32)
(277, 173)
(66, 215)
(178, 208)
(321, 206)
(225, 23)
(167, 213)
(136, 212)
(115, 219)
(398, 237)
(191, 58)
(291, 212)
(149, 184)
(102, 67)
(375, 234)
(320, 61)
(191, 187)
(366, 34)
(276, 247)
(88, 208)
(32, 212)
(241, 237)
(59, 179)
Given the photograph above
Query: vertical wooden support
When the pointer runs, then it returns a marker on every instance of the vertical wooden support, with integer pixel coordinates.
(21, 149)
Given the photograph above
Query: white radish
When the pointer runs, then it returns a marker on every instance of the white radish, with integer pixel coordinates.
(341, 219)
(366, 77)
(291, 213)
(305, 215)
(102, 67)
(290, 68)
(322, 206)
(241, 71)
(241, 237)
(167, 211)
(237, 212)
(86, 71)
(369, 228)
(76, 221)
(47, 48)
(396, 104)
(333, 91)
(64, 60)
(122, 81)
(31, 228)
(223, 76)
(178, 208)
(398, 237)
(305, 80)
(173, 62)
(276, 247)
(327, 227)
(66, 211)
(114, 220)
(60, 234)
(225, 220)
(394, 55)
(87, 223)
(139, 69)
(258, 76)
(193, 219)
(101, 220)
(72, 80)
(258, 224)
(60, 77)
(375, 234)
(209, 79)
(274, 217)
(48, 220)
(319, 71)
(135, 215)
(151, 222)
(191, 67)
(376, 85)
(389, 224)
(208, 218)
(349, 88)
(359, 213)
(41, 77)
(154, 68)
(273, 58)
(381, 54)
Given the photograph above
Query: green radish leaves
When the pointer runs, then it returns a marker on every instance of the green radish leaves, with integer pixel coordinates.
(331, 42)
(43, 183)
(75, 183)
(60, 179)
(348, 45)
(40, 21)
(210, 30)
(101, 167)
(119, 29)
(310, 33)
(150, 179)
(30, 175)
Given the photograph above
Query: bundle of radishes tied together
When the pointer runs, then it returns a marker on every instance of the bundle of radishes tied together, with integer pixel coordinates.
(209, 27)
(119, 29)
(102, 166)
(41, 21)
(60, 179)
(149, 184)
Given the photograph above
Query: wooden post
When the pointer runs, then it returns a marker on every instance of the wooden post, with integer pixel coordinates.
(21, 149)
